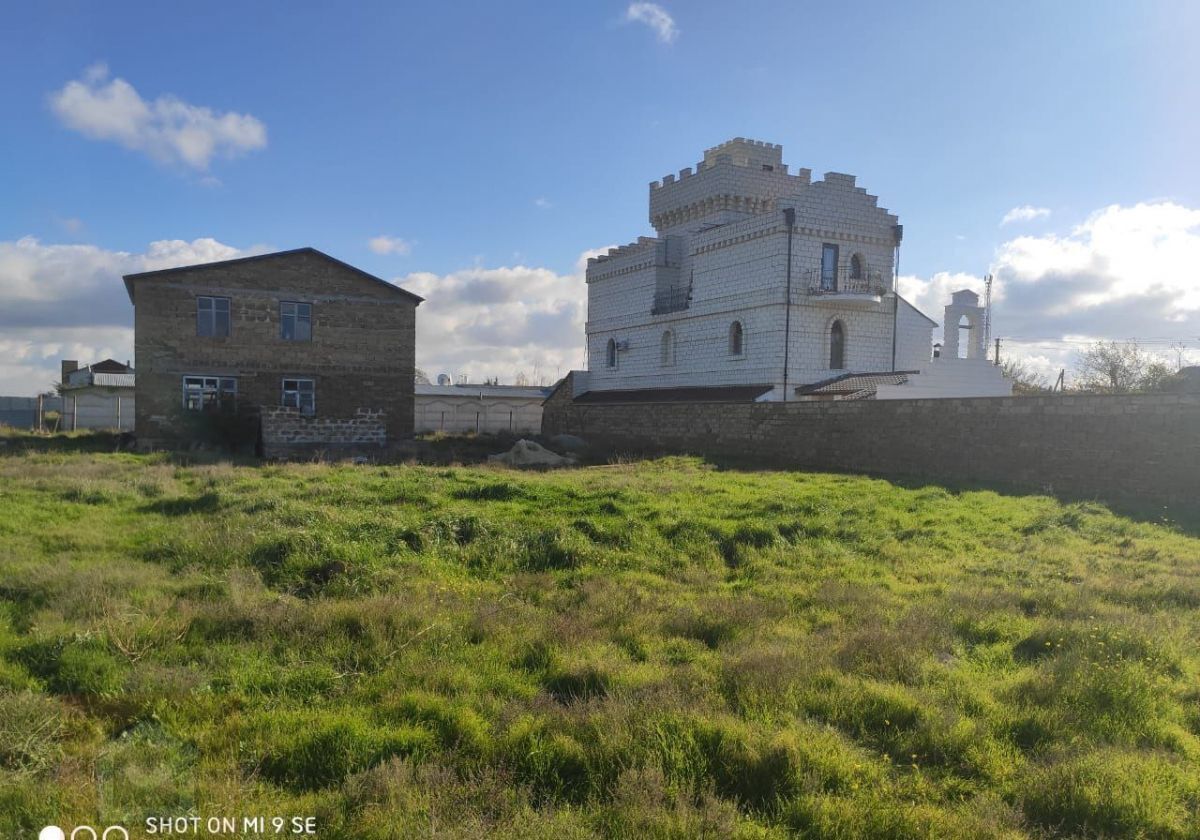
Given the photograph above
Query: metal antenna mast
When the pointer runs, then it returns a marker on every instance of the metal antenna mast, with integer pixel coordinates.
(987, 311)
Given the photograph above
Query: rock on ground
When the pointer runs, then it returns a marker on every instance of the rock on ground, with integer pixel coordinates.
(526, 453)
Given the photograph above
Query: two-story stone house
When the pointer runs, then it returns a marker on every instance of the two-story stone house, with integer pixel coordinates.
(312, 351)
(758, 278)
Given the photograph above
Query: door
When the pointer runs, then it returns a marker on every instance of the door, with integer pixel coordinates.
(829, 262)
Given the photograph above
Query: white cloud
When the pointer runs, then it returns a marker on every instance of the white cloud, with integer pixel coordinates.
(168, 129)
(1123, 273)
(1024, 213)
(390, 245)
(69, 301)
(656, 17)
(542, 203)
(485, 322)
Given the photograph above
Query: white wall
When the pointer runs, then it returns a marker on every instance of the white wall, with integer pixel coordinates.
(738, 272)
(94, 408)
(468, 415)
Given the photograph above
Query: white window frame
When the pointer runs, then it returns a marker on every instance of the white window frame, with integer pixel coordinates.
(286, 394)
(210, 387)
(296, 319)
(212, 312)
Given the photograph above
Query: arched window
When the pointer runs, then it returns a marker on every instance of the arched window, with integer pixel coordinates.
(837, 346)
(667, 349)
(610, 354)
(735, 338)
(857, 271)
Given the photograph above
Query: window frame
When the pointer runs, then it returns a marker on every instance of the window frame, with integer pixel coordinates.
(610, 353)
(213, 311)
(284, 391)
(839, 329)
(296, 319)
(666, 349)
(209, 394)
(858, 267)
(738, 329)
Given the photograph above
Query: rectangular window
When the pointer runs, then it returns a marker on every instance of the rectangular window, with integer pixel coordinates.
(301, 394)
(212, 316)
(829, 262)
(209, 393)
(295, 321)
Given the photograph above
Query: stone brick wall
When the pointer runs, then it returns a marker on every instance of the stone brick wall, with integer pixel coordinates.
(286, 433)
(361, 354)
(722, 233)
(1140, 448)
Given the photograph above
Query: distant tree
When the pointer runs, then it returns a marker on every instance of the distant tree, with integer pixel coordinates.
(1119, 367)
(1024, 378)
(521, 379)
(420, 377)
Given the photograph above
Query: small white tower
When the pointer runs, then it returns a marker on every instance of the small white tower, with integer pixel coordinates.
(950, 375)
(964, 312)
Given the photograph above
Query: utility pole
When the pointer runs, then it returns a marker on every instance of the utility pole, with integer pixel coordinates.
(789, 217)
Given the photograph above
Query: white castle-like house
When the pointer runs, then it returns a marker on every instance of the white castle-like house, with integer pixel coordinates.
(761, 283)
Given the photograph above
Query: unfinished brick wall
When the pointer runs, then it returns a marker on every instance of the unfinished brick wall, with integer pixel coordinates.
(287, 433)
(1143, 448)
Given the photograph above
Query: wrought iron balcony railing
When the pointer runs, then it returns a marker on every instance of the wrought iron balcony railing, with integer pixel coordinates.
(844, 281)
(672, 300)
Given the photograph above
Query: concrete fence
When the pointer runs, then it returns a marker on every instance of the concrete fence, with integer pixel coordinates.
(1129, 448)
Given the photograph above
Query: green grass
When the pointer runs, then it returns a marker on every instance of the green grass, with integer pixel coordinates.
(656, 650)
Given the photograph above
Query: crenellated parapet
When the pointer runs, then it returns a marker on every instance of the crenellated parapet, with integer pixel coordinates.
(736, 179)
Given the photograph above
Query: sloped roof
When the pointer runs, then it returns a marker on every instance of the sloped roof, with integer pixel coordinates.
(274, 255)
(854, 384)
(109, 366)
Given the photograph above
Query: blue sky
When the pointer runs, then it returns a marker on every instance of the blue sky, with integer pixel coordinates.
(500, 142)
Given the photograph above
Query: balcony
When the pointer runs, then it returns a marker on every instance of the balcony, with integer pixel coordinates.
(845, 286)
(671, 300)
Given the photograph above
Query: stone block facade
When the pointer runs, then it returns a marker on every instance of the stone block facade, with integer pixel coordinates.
(287, 433)
(1134, 448)
(661, 309)
(360, 352)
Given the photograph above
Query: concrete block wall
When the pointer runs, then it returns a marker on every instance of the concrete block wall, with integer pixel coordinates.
(1137, 448)
(287, 433)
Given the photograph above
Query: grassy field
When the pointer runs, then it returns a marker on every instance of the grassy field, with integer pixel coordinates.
(649, 650)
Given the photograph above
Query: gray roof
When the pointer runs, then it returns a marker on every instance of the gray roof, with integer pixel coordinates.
(129, 278)
(856, 385)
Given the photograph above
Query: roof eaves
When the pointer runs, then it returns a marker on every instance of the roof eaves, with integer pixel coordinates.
(128, 278)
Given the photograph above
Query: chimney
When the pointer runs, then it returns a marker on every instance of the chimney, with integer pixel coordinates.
(68, 366)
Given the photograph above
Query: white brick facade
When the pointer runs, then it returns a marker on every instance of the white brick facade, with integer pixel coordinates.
(667, 303)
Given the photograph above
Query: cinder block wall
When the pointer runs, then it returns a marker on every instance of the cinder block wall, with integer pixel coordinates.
(1136, 448)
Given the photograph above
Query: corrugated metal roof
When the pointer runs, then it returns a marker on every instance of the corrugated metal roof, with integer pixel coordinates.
(113, 380)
